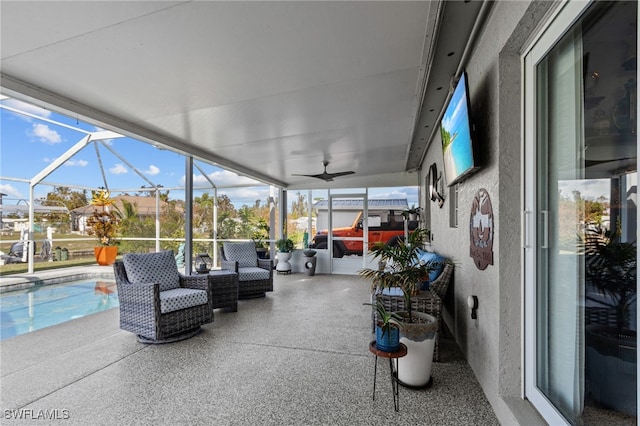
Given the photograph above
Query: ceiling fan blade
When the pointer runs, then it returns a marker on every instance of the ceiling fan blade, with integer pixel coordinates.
(327, 177)
(335, 175)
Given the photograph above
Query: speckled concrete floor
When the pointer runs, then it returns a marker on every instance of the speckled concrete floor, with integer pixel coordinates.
(297, 357)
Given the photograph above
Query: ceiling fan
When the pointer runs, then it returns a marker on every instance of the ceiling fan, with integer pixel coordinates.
(327, 177)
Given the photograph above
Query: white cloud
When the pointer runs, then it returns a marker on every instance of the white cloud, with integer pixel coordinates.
(223, 178)
(43, 133)
(76, 163)
(118, 169)
(152, 170)
(589, 189)
(10, 190)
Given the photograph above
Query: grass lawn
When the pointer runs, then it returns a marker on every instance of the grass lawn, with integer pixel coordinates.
(77, 243)
(21, 268)
(74, 243)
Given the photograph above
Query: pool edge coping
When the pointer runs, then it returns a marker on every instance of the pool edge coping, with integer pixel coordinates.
(57, 276)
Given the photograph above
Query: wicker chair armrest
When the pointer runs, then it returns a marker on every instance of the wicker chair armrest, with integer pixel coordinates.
(441, 284)
(265, 264)
(229, 265)
(199, 282)
(138, 293)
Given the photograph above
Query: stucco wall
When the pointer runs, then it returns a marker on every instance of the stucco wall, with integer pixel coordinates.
(492, 342)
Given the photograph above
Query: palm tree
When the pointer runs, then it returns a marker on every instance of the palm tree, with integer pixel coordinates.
(610, 265)
(402, 267)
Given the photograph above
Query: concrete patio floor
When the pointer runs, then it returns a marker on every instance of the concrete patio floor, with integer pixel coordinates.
(296, 357)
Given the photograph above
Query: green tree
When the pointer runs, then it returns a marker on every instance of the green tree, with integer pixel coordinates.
(594, 210)
(172, 221)
(299, 208)
(246, 222)
(62, 196)
(203, 213)
(225, 206)
(132, 225)
(127, 212)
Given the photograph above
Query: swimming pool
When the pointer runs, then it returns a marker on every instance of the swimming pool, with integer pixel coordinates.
(23, 311)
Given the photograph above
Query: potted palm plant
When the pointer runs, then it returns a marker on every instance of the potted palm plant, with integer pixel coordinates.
(387, 328)
(402, 270)
(103, 223)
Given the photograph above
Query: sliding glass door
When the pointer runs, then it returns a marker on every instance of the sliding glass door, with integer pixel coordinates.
(581, 215)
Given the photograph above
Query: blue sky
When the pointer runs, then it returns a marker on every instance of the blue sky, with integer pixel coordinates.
(29, 143)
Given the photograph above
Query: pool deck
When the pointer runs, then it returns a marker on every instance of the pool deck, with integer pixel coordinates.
(298, 356)
(53, 276)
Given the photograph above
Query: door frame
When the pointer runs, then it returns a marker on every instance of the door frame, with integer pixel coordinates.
(335, 264)
(556, 26)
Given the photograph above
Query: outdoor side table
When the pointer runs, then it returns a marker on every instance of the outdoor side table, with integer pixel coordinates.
(402, 351)
(225, 289)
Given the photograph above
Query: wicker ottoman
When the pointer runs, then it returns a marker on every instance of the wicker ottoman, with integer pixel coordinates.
(225, 289)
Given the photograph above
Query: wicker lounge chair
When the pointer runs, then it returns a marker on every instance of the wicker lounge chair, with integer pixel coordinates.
(428, 301)
(157, 303)
(255, 275)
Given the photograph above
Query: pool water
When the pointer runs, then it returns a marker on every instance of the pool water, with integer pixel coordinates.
(24, 311)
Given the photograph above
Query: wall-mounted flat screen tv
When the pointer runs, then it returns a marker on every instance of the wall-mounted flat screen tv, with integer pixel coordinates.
(456, 132)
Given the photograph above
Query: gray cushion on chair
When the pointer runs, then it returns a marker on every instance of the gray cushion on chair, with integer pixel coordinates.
(181, 298)
(244, 253)
(152, 268)
(250, 273)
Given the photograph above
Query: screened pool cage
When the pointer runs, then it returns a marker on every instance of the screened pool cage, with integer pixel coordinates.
(100, 140)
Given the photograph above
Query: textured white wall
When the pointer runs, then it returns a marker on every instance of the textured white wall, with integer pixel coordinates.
(492, 342)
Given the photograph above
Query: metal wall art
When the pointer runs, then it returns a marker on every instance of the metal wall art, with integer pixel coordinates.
(481, 226)
(433, 180)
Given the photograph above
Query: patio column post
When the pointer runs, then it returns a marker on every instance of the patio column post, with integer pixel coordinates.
(188, 215)
(272, 221)
(157, 219)
(283, 213)
(28, 246)
(215, 226)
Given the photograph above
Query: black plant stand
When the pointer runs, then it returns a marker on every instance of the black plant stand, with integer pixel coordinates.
(402, 351)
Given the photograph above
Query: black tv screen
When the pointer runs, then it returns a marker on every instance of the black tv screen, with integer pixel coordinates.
(457, 136)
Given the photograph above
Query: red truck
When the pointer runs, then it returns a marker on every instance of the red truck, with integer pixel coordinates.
(388, 232)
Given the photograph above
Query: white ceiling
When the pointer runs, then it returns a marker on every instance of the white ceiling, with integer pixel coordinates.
(268, 89)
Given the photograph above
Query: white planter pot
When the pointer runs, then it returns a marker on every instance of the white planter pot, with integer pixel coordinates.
(414, 369)
(283, 264)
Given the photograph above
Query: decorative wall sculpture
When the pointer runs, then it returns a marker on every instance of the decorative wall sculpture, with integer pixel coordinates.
(481, 225)
(435, 194)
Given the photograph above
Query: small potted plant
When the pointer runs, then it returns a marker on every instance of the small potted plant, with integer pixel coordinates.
(259, 236)
(387, 328)
(285, 247)
(103, 223)
(402, 269)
